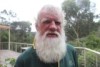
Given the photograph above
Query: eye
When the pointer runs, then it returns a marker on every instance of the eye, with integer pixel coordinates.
(46, 21)
(57, 22)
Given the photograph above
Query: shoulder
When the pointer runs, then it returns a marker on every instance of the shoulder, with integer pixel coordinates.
(26, 54)
(72, 54)
(70, 47)
(24, 57)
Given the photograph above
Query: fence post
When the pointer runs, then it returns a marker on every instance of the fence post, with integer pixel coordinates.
(16, 47)
(96, 60)
(84, 57)
(9, 39)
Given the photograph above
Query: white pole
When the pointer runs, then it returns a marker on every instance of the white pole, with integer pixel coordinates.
(84, 58)
(9, 39)
(96, 60)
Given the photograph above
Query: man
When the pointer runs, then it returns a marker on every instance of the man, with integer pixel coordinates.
(50, 47)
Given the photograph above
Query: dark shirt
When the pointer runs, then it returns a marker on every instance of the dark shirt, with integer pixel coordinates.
(29, 58)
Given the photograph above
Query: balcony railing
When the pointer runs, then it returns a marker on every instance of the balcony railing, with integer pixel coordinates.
(86, 57)
(15, 46)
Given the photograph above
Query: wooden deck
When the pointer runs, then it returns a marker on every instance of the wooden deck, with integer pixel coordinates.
(4, 54)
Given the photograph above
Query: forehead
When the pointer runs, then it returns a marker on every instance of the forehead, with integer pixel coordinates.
(50, 15)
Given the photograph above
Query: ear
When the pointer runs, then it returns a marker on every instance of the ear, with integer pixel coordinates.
(36, 26)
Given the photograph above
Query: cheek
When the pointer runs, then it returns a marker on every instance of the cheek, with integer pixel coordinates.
(59, 29)
(42, 29)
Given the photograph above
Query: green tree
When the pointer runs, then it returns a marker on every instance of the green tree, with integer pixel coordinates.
(79, 16)
(4, 35)
(98, 30)
(7, 16)
(21, 31)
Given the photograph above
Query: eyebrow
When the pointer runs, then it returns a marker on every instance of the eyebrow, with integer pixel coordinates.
(44, 19)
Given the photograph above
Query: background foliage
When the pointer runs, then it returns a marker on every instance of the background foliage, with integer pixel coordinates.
(81, 29)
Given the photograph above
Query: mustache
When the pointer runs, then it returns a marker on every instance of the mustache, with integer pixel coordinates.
(49, 32)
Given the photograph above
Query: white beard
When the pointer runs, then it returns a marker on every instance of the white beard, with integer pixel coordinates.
(50, 50)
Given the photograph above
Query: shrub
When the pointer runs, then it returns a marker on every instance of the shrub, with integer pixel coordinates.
(8, 61)
(90, 59)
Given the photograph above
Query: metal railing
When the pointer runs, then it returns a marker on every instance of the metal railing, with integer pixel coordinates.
(88, 57)
(15, 46)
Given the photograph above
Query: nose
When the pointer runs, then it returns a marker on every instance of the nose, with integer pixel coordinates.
(52, 26)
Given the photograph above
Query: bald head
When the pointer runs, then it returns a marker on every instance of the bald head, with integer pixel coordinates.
(51, 11)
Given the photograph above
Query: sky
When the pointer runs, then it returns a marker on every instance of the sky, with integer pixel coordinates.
(27, 10)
